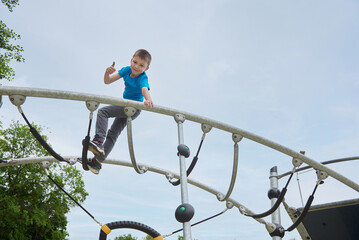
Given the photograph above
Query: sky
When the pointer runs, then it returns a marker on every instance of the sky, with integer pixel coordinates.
(285, 70)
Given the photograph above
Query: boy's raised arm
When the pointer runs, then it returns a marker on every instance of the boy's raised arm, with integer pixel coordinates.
(108, 78)
(146, 94)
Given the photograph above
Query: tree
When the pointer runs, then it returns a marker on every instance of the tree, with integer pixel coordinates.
(31, 206)
(126, 237)
(10, 4)
(8, 51)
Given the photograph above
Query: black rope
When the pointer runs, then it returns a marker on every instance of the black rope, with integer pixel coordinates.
(192, 165)
(40, 139)
(276, 204)
(85, 146)
(204, 220)
(305, 210)
(70, 197)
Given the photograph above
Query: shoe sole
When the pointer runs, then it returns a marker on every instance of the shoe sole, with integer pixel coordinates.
(100, 153)
(93, 170)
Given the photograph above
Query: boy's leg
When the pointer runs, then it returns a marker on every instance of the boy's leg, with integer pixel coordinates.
(117, 126)
(103, 114)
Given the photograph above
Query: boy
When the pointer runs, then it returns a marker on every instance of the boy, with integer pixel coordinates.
(137, 89)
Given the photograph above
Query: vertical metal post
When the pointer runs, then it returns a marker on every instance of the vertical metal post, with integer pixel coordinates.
(183, 175)
(273, 177)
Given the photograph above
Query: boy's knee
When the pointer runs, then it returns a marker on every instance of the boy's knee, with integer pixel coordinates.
(137, 113)
(102, 112)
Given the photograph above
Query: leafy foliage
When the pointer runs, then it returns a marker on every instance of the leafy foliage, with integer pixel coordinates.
(126, 237)
(8, 51)
(31, 206)
(148, 237)
(10, 4)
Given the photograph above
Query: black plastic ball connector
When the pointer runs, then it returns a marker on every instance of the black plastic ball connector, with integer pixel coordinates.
(273, 193)
(184, 213)
(183, 150)
(278, 232)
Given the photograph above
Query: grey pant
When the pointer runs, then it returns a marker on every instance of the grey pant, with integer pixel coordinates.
(119, 123)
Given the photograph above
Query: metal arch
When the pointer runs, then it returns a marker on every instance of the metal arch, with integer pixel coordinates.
(47, 93)
(242, 208)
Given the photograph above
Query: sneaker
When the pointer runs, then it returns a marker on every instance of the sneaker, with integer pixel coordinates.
(94, 165)
(96, 148)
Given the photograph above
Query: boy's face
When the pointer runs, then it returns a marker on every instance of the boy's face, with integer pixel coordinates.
(138, 66)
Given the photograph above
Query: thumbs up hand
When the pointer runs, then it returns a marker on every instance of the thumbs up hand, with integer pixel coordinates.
(111, 69)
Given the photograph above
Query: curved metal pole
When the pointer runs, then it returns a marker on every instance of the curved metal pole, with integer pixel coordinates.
(46, 93)
(157, 170)
(324, 163)
(129, 112)
(234, 175)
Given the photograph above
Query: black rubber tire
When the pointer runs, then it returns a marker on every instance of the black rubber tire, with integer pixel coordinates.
(132, 225)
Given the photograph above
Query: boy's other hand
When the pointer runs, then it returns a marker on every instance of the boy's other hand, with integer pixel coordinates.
(111, 69)
(148, 103)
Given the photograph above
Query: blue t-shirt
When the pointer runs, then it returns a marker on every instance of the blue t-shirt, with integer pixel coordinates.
(133, 86)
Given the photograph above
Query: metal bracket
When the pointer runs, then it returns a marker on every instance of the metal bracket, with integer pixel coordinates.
(220, 196)
(242, 210)
(92, 105)
(143, 168)
(17, 100)
(236, 137)
(45, 164)
(72, 161)
(169, 176)
(229, 204)
(130, 111)
(206, 128)
(296, 162)
(322, 175)
(179, 117)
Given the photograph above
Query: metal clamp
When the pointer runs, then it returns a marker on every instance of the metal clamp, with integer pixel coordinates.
(229, 204)
(92, 105)
(17, 100)
(45, 164)
(179, 117)
(297, 162)
(322, 175)
(236, 137)
(130, 111)
(206, 128)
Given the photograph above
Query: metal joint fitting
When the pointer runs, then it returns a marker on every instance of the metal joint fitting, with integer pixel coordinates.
(92, 105)
(206, 128)
(179, 117)
(45, 164)
(236, 137)
(220, 196)
(296, 162)
(130, 111)
(229, 204)
(17, 100)
(322, 175)
(169, 176)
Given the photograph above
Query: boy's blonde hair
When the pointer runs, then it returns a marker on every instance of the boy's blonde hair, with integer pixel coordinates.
(143, 54)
